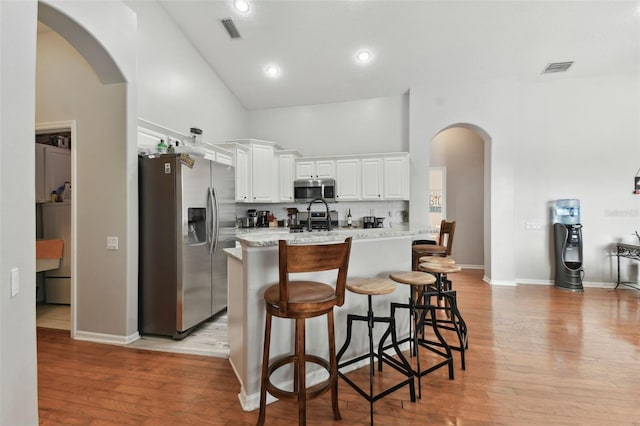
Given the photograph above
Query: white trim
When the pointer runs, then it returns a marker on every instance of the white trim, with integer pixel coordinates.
(69, 125)
(526, 281)
(464, 266)
(496, 282)
(109, 339)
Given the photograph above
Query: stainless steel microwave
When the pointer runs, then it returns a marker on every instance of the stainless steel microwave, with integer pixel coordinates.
(306, 190)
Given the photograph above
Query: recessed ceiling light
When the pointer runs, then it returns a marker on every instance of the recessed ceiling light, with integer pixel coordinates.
(364, 56)
(241, 6)
(272, 70)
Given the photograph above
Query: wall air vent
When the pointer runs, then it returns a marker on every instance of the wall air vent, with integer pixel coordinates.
(230, 27)
(557, 67)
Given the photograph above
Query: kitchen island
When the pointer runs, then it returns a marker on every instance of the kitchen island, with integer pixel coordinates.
(253, 267)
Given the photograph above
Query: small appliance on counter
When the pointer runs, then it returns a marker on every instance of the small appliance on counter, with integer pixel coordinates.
(252, 218)
(292, 213)
(368, 222)
(263, 219)
(319, 219)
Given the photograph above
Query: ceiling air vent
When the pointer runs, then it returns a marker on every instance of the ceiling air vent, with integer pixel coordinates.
(557, 67)
(230, 27)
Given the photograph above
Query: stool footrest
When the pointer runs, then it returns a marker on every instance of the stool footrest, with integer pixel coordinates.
(312, 391)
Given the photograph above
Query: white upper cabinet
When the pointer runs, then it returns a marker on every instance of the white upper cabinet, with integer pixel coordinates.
(315, 169)
(285, 165)
(348, 179)
(242, 174)
(372, 178)
(396, 178)
(262, 173)
(53, 169)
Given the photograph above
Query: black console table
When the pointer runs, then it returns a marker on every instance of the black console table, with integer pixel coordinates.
(629, 251)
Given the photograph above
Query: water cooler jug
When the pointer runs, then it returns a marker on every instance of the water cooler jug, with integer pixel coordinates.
(567, 235)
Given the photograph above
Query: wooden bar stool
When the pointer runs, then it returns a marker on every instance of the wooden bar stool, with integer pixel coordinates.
(442, 247)
(300, 300)
(373, 287)
(443, 289)
(417, 282)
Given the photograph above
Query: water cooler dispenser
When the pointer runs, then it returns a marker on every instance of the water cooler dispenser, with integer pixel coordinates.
(567, 236)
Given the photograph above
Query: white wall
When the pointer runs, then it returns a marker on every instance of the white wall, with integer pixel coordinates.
(578, 138)
(104, 160)
(490, 106)
(67, 88)
(18, 374)
(177, 88)
(555, 138)
(357, 127)
(461, 151)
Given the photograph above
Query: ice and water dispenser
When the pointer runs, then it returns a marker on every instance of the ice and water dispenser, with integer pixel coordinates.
(567, 236)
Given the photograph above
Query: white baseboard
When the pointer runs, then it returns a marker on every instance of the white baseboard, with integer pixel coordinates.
(585, 284)
(497, 282)
(109, 339)
(464, 266)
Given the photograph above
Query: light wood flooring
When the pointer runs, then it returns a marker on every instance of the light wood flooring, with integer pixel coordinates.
(537, 356)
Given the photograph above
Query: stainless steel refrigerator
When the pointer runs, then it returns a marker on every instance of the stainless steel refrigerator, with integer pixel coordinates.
(186, 218)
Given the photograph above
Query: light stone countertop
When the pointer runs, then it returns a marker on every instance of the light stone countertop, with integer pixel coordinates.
(269, 237)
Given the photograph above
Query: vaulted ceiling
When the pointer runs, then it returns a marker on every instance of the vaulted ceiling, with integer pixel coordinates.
(314, 42)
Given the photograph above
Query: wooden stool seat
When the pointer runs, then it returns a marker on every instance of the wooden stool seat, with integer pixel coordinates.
(438, 268)
(413, 278)
(437, 259)
(371, 286)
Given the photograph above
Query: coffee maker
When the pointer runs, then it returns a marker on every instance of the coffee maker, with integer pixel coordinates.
(263, 219)
(251, 218)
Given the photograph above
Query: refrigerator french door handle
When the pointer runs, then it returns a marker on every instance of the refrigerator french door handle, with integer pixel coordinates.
(209, 219)
(216, 211)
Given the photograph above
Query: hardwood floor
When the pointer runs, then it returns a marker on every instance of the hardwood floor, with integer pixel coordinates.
(537, 356)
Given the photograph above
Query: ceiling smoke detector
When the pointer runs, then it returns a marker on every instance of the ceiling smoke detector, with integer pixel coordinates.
(230, 27)
(557, 67)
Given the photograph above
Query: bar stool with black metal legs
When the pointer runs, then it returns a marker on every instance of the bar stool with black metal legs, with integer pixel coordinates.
(373, 287)
(443, 290)
(300, 300)
(417, 282)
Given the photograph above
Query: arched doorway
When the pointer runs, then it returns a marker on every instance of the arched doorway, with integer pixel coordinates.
(462, 151)
(459, 152)
(104, 167)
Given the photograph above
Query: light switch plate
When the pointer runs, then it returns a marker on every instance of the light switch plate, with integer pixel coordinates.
(15, 282)
(112, 243)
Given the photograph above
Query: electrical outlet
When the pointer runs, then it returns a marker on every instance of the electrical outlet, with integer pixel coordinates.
(15, 282)
(112, 243)
(532, 226)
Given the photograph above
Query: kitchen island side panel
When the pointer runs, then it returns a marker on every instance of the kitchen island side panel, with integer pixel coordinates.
(369, 258)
